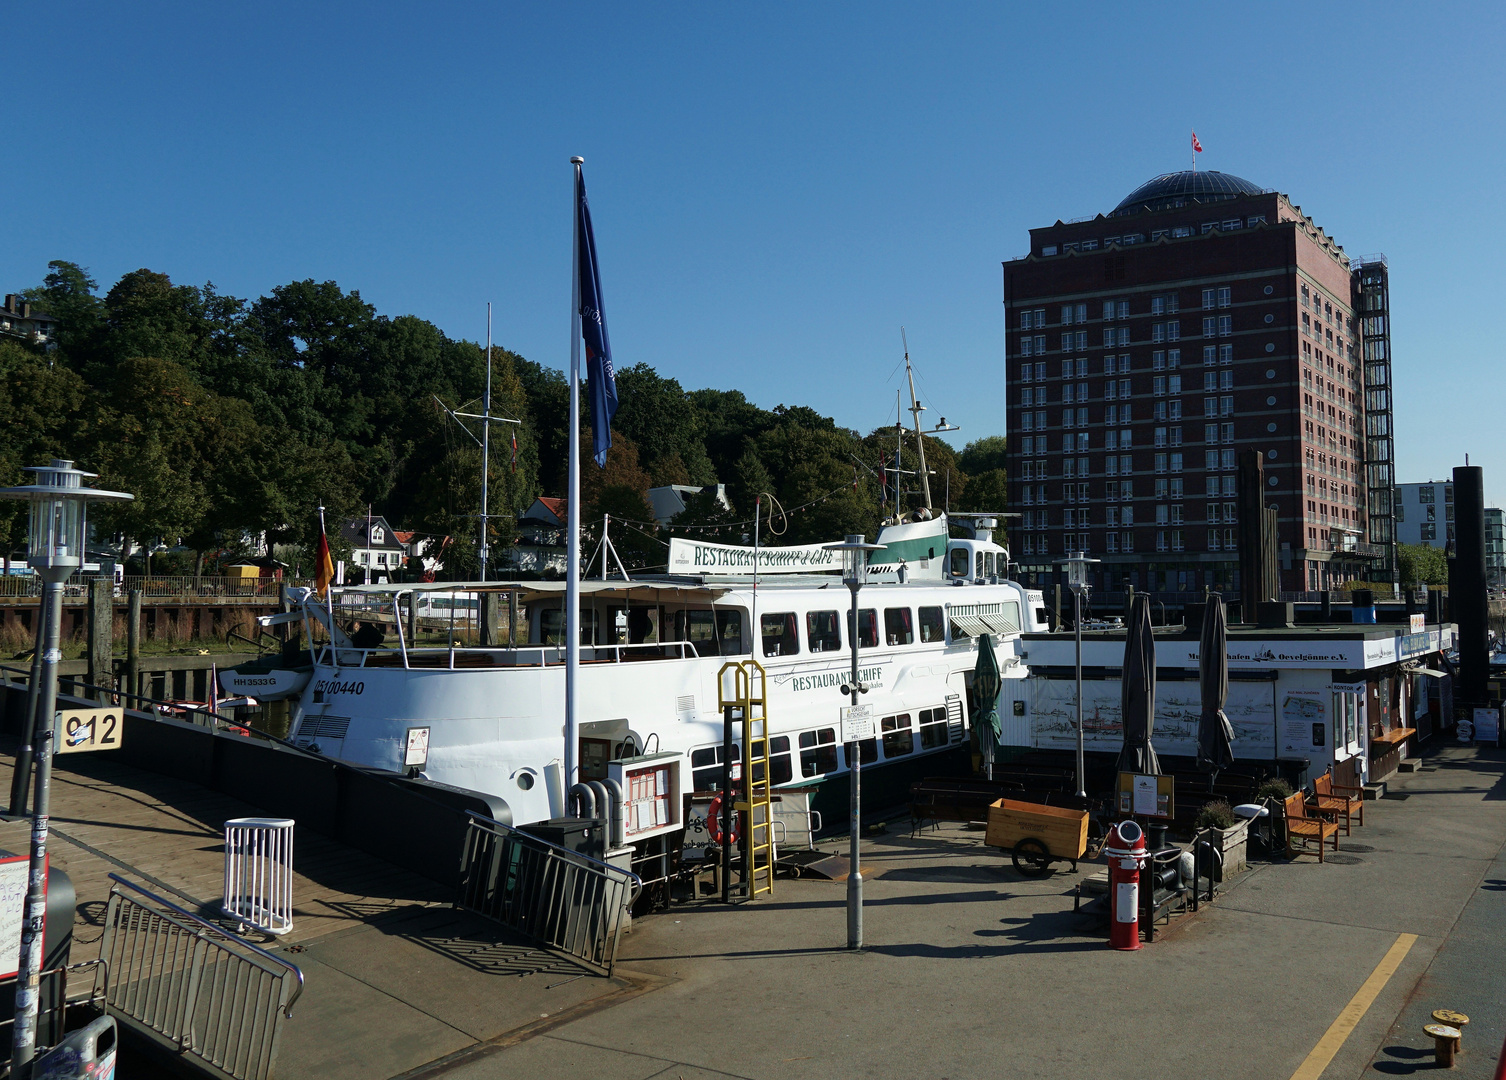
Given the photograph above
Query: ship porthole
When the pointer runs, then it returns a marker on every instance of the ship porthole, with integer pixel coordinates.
(525, 779)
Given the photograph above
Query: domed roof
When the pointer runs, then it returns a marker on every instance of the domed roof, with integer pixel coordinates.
(1175, 188)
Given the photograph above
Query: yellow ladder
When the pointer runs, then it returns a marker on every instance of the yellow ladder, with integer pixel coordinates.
(747, 693)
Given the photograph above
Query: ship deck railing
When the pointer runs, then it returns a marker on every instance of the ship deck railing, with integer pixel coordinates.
(456, 657)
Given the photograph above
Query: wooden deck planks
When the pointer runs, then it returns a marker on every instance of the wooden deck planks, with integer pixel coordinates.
(172, 831)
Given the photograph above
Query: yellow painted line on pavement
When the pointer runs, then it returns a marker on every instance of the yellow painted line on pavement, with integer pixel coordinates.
(1313, 1065)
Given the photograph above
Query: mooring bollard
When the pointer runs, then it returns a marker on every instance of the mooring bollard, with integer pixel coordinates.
(1445, 1043)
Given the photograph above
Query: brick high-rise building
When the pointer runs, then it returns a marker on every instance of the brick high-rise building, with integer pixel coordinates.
(1147, 346)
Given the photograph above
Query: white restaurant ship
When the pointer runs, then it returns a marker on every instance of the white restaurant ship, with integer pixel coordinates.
(650, 656)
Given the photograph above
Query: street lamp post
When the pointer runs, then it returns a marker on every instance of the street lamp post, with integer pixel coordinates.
(56, 538)
(1077, 580)
(854, 551)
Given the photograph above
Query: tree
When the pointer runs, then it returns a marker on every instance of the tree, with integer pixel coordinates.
(1419, 562)
(67, 294)
(656, 413)
(40, 416)
(983, 454)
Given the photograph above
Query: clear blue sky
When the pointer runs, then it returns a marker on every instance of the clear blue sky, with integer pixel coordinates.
(776, 189)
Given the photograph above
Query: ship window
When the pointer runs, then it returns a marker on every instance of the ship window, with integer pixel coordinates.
(898, 739)
(960, 562)
(779, 759)
(818, 751)
(898, 628)
(697, 626)
(552, 624)
(643, 625)
(867, 750)
(706, 766)
(932, 624)
(867, 628)
(821, 632)
(779, 635)
(933, 731)
(729, 627)
(979, 572)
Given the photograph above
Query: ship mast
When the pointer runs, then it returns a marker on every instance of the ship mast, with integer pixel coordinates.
(915, 410)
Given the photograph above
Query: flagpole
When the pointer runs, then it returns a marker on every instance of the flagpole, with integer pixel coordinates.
(486, 443)
(572, 508)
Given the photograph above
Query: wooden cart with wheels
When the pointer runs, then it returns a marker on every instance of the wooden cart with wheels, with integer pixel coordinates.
(1036, 835)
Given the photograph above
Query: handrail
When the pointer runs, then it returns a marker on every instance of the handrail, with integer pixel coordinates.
(330, 654)
(637, 882)
(287, 1010)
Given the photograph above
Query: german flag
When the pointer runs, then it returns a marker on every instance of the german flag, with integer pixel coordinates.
(324, 566)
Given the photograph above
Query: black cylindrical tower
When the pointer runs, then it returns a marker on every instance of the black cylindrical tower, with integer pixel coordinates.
(1468, 600)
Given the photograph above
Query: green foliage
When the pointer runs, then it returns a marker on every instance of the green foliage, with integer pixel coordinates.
(1275, 788)
(1217, 814)
(234, 419)
(983, 454)
(1419, 562)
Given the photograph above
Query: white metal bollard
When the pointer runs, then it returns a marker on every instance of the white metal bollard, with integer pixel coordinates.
(259, 873)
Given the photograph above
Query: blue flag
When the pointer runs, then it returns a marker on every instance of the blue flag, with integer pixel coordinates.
(593, 327)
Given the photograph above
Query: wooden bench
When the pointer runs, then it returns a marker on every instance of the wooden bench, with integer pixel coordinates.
(1298, 824)
(1336, 799)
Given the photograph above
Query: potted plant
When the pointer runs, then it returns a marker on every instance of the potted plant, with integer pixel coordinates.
(1217, 825)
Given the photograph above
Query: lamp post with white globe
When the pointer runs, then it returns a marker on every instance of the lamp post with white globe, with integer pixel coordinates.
(57, 532)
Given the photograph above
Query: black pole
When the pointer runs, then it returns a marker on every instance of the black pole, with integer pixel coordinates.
(1469, 603)
(726, 811)
(20, 780)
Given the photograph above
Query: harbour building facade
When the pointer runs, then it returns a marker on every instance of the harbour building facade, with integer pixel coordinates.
(1148, 346)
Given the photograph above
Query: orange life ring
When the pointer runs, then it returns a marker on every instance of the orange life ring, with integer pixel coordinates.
(714, 821)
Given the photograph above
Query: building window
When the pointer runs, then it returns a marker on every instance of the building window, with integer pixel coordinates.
(1027, 345)
(1226, 354)
(1160, 436)
(1173, 358)
(1209, 296)
(1176, 436)
(1223, 293)
(1160, 463)
(1158, 386)
(1176, 406)
(1226, 405)
(1225, 325)
(1176, 384)
(1210, 326)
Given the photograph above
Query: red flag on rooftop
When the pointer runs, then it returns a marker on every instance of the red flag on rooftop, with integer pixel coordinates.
(1197, 147)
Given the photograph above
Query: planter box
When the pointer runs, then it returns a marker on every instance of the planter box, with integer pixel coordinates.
(1230, 843)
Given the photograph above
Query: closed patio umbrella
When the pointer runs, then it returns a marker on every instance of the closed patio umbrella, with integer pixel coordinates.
(986, 684)
(1215, 735)
(1137, 690)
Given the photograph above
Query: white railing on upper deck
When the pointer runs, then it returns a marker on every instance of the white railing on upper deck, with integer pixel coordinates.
(511, 656)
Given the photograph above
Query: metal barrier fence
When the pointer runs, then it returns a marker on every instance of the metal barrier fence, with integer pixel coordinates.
(220, 998)
(259, 873)
(557, 897)
(158, 587)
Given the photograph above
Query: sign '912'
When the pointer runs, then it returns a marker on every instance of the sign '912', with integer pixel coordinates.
(100, 729)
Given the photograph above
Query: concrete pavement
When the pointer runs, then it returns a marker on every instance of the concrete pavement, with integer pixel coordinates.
(970, 971)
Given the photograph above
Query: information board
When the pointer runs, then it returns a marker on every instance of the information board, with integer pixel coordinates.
(13, 874)
(857, 723)
(1147, 796)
